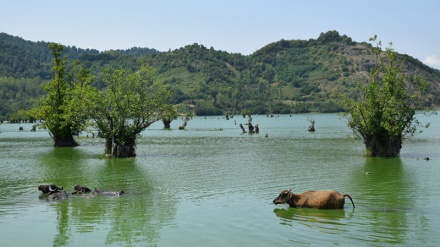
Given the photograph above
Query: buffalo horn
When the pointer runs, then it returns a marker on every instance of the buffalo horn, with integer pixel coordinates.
(50, 188)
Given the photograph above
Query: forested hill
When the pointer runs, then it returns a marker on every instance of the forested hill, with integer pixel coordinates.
(283, 77)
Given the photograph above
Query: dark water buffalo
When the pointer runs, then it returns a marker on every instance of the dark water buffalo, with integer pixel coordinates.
(321, 199)
(107, 193)
(61, 195)
(49, 188)
(81, 189)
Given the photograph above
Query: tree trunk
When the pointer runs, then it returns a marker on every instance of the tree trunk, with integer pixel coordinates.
(116, 149)
(64, 141)
(383, 146)
(166, 123)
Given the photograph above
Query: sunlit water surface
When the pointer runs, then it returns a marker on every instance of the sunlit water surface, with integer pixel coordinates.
(211, 185)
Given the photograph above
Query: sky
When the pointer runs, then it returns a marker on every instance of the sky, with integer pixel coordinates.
(234, 26)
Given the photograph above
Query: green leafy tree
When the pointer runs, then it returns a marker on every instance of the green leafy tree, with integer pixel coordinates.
(130, 103)
(384, 112)
(62, 110)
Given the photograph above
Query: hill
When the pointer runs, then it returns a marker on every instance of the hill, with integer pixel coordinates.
(283, 77)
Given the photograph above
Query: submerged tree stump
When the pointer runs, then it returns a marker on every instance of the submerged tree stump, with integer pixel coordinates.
(312, 124)
(242, 128)
(182, 127)
(250, 127)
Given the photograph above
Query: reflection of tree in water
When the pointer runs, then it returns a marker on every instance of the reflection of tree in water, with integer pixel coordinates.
(132, 218)
(63, 236)
(384, 182)
(138, 221)
(140, 214)
(62, 165)
(387, 192)
(57, 167)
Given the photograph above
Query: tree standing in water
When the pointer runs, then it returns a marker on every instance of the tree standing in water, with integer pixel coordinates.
(62, 110)
(384, 112)
(168, 117)
(131, 102)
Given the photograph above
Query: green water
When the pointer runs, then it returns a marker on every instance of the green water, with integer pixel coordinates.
(210, 185)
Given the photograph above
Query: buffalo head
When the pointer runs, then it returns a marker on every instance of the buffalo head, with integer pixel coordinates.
(49, 188)
(283, 197)
(80, 189)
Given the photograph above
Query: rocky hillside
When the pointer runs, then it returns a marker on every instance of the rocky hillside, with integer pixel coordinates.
(283, 77)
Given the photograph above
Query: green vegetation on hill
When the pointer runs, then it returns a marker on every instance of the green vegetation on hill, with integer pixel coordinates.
(287, 76)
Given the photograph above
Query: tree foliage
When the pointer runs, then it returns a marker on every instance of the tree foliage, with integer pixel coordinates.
(130, 102)
(384, 112)
(61, 111)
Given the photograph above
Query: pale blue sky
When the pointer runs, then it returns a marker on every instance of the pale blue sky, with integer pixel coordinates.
(236, 26)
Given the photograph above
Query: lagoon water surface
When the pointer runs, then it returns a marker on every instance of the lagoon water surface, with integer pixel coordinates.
(211, 185)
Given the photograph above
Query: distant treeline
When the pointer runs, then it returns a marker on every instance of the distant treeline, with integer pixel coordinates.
(287, 76)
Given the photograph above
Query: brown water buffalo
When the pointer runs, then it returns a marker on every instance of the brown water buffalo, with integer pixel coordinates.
(81, 189)
(321, 199)
(49, 188)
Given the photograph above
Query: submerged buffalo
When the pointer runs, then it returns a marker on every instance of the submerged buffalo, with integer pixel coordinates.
(321, 199)
(49, 188)
(61, 195)
(81, 189)
(57, 193)
(107, 193)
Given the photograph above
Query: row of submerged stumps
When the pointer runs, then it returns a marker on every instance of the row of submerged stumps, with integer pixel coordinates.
(54, 192)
